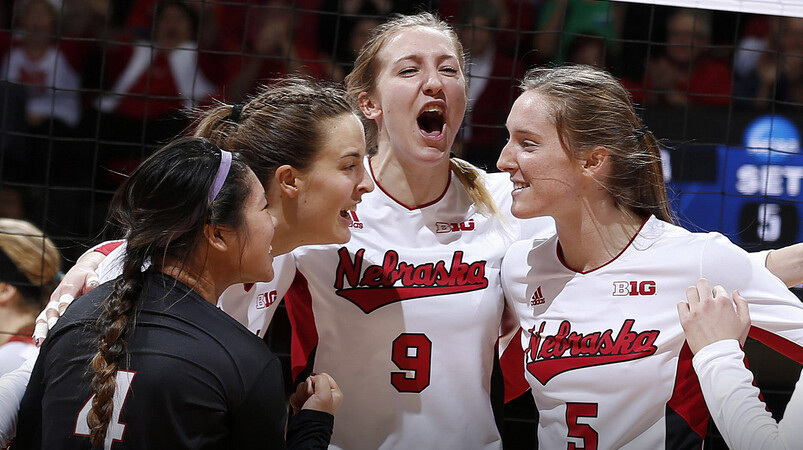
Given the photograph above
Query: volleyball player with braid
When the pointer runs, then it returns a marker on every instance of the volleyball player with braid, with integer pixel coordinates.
(167, 368)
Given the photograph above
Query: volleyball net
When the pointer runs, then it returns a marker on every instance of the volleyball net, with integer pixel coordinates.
(90, 88)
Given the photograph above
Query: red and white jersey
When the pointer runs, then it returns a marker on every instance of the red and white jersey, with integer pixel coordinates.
(405, 317)
(604, 350)
(16, 351)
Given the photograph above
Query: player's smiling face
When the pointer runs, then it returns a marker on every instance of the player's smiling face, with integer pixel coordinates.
(546, 179)
(334, 183)
(420, 94)
(256, 235)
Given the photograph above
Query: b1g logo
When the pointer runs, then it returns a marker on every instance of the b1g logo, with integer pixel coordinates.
(266, 299)
(622, 288)
(447, 227)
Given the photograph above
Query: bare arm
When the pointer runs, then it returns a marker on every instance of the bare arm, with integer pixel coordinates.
(787, 264)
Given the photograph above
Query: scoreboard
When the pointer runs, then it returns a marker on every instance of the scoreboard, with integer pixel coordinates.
(749, 189)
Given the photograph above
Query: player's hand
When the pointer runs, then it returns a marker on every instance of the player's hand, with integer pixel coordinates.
(79, 280)
(318, 393)
(709, 315)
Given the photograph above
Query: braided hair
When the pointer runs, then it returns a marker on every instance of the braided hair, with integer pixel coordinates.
(164, 206)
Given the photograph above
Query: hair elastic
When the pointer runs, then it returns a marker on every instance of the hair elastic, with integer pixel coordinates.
(220, 176)
(236, 109)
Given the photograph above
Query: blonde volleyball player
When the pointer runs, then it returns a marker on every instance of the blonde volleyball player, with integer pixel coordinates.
(605, 353)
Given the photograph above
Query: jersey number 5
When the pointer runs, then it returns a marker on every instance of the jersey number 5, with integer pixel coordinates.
(412, 352)
(582, 431)
(116, 429)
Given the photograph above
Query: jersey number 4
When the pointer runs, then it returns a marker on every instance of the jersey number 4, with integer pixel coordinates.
(116, 429)
(412, 352)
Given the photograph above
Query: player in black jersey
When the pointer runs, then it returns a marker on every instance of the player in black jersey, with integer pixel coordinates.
(147, 360)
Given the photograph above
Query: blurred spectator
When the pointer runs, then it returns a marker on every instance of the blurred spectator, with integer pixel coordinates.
(755, 39)
(29, 263)
(562, 20)
(516, 17)
(35, 61)
(358, 35)
(152, 84)
(271, 50)
(492, 79)
(588, 49)
(686, 73)
(339, 22)
(778, 74)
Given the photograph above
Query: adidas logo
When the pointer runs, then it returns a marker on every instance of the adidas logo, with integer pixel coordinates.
(354, 222)
(537, 298)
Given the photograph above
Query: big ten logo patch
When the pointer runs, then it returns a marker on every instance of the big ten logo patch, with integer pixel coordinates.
(452, 227)
(622, 288)
(266, 299)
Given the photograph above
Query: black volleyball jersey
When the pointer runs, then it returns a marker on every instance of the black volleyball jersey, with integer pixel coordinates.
(192, 378)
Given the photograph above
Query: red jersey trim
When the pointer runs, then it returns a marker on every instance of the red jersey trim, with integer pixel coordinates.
(562, 261)
(109, 247)
(413, 208)
(24, 335)
(304, 336)
(687, 398)
(778, 343)
(511, 361)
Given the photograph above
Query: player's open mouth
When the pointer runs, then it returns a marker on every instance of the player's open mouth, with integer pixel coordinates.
(431, 121)
(346, 215)
(519, 186)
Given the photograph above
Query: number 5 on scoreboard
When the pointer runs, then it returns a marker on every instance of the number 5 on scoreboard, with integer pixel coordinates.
(412, 352)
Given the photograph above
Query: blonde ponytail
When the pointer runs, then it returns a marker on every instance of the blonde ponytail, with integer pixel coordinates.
(471, 179)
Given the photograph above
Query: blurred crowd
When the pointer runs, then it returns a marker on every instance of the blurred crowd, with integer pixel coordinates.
(88, 88)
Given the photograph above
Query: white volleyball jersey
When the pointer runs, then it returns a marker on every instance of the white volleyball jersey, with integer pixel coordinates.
(604, 350)
(405, 317)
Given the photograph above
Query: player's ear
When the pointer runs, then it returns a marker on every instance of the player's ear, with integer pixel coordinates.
(287, 178)
(217, 237)
(7, 293)
(595, 161)
(370, 108)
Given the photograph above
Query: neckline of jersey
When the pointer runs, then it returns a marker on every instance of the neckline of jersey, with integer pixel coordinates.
(581, 272)
(409, 208)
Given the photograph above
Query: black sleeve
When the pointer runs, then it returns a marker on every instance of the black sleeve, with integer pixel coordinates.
(260, 420)
(310, 429)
